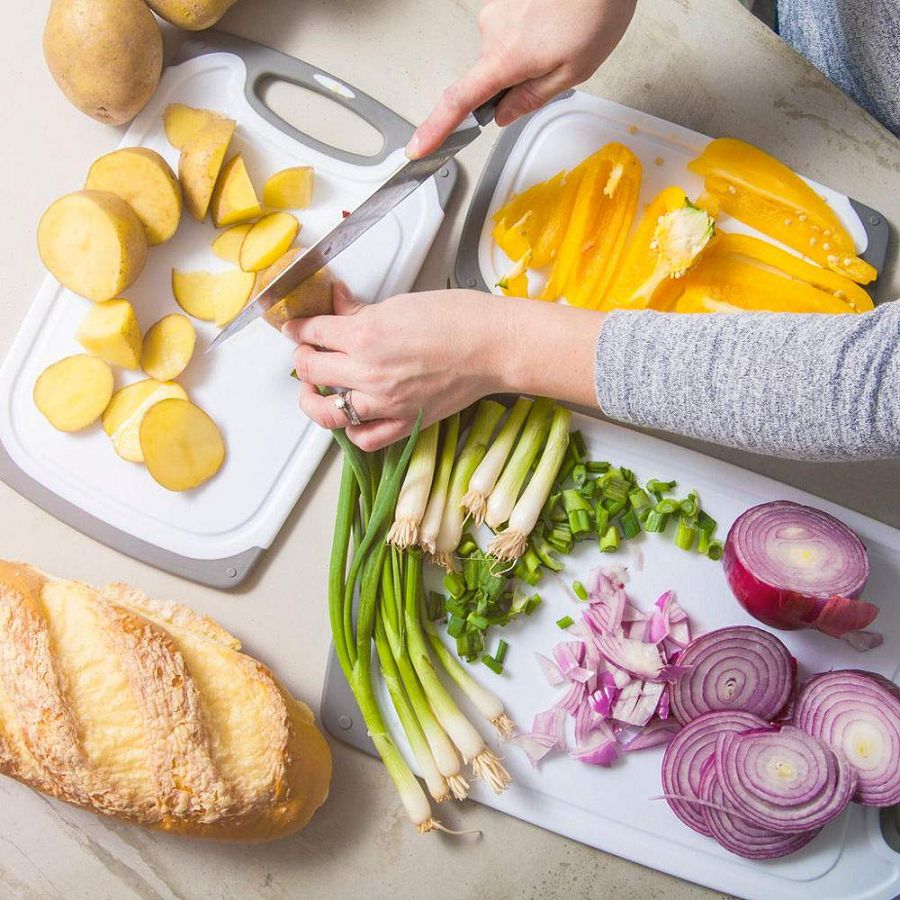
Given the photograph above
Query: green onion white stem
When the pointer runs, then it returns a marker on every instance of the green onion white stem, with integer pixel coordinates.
(434, 510)
(505, 493)
(413, 497)
(487, 414)
(511, 543)
(485, 476)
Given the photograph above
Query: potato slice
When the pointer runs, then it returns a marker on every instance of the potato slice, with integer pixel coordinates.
(312, 298)
(73, 392)
(201, 160)
(234, 199)
(183, 122)
(227, 245)
(111, 331)
(93, 243)
(268, 240)
(126, 410)
(145, 181)
(218, 296)
(290, 188)
(182, 445)
(168, 347)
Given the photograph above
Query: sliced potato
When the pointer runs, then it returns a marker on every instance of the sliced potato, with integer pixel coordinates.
(182, 445)
(200, 163)
(93, 243)
(312, 298)
(73, 392)
(145, 181)
(234, 199)
(290, 188)
(126, 410)
(111, 331)
(168, 347)
(268, 240)
(227, 245)
(183, 122)
(218, 296)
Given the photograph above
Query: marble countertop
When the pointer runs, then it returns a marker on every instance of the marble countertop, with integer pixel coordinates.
(706, 64)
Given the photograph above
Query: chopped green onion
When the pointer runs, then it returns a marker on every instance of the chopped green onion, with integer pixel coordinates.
(667, 506)
(455, 584)
(434, 606)
(638, 498)
(684, 537)
(601, 518)
(715, 549)
(609, 540)
(479, 622)
(468, 546)
(614, 488)
(596, 467)
(689, 507)
(579, 590)
(613, 507)
(456, 626)
(579, 445)
(579, 475)
(502, 647)
(706, 522)
(630, 525)
(655, 486)
(565, 622)
(493, 664)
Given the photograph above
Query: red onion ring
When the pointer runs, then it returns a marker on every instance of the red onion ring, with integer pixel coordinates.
(688, 751)
(784, 780)
(858, 714)
(741, 668)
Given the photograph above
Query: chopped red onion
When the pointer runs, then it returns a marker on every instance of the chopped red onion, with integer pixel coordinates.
(601, 749)
(637, 702)
(863, 640)
(550, 670)
(536, 746)
(655, 734)
(639, 659)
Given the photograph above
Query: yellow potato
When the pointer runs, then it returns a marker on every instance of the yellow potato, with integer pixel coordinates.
(73, 392)
(218, 296)
(193, 15)
(268, 240)
(234, 199)
(182, 445)
(111, 331)
(227, 245)
(168, 347)
(312, 298)
(201, 159)
(183, 122)
(143, 179)
(123, 417)
(290, 188)
(105, 55)
(92, 243)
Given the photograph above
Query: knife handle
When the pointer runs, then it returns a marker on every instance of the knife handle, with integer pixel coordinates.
(484, 114)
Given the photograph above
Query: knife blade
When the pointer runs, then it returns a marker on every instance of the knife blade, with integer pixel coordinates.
(371, 211)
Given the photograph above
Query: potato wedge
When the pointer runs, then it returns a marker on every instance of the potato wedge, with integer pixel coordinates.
(227, 245)
(145, 181)
(93, 243)
(168, 347)
(111, 331)
(182, 445)
(183, 122)
(72, 393)
(200, 163)
(268, 240)
(126, 410)
(312, 298)
(234, 199)
(290, 188)
(213, 296)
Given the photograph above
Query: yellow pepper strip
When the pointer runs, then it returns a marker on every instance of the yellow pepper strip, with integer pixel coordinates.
(600, 256)
(515, 282)
(550, 237)
(717, 283)
(756, 188)
(519, 223)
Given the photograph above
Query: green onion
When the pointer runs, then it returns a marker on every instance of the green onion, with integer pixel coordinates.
(565, 622)
(715, 550)
(493, 664)
(630, 525)
(667, 506)
(601, 518)
(434, 510)
(435, 607)
(706, 522)
(579, 590)
(502, 647)
(655, 486)
(596, 467)
(690, 507)
(609, 540)
(455, 584)
(684, 537)
(656, 522)
(413, 497)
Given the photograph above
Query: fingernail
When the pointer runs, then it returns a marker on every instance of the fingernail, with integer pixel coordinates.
(412, 148)
(287, 330)
(505, 117)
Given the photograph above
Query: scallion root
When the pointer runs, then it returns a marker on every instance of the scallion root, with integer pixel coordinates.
(446, 561)
(508, 545)
(434, 825)
(487, 766)
(475, 504)
(459, 787)
(504, 725)
(404, 533)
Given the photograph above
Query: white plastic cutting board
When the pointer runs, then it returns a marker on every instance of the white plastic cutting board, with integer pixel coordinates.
(245, 386)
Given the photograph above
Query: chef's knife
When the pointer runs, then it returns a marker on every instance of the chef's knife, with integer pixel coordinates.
(399, 186)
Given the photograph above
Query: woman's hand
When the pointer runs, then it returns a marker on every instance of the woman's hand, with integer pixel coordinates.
(539, 48)
(437, 351)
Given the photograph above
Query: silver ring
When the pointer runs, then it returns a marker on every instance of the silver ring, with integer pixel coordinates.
(342, 402)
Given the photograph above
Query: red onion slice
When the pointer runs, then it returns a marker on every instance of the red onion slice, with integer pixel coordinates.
(783, 561)
(685, 755)
(857, 714)
(783, 780)
(742, 667)
(735, 833)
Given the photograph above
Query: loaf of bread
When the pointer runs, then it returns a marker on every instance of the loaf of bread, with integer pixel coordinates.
(146, 711)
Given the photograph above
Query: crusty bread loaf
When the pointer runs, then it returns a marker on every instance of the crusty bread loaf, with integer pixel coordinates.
(146, 711)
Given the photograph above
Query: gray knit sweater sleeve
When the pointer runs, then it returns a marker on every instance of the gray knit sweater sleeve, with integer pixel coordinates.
(808, 386)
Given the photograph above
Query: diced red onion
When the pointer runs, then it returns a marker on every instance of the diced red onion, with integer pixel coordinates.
(857, 714)
(655, 734)
(550, 670)
(783, 780)
(536, 746)
(551, 723)
(639, 659)
(601, 749)
(637, 702)
(686, 753)
(569, 655)
(792, 566)
(742, 667)
(572, 699)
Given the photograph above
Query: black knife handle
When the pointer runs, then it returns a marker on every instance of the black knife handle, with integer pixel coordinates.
(484, 114)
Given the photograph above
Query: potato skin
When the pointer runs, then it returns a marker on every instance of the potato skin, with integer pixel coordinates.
(105, 55)
(191, 14)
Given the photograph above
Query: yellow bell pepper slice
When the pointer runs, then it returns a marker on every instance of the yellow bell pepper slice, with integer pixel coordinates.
(521, 221)
(756, 188)
(515, 282)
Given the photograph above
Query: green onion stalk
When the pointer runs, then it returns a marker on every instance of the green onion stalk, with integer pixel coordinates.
(413, 499)
(487, 414)
(437, 499)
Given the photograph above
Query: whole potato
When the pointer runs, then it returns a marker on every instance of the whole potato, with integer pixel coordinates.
(106, 55)
(191, 14)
